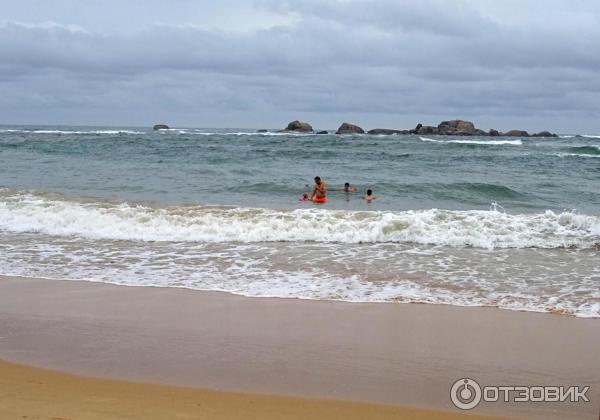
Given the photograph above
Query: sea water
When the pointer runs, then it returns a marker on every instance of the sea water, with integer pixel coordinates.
(506, 222)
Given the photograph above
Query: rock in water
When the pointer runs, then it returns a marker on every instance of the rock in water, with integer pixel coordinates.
(262, 130)
(386, 131)
(516, 133)
(346, 128)
(544, 134)
(416, 129)
(494, 133)
(299, 126)
(323, 132)
(161, 127)
(457, 128)
(427, 129)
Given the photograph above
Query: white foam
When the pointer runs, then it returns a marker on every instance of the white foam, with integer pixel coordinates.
(583, 155)
(72, 131)
(244, 133)
(25, 212)
(422, 274)
(516, 142)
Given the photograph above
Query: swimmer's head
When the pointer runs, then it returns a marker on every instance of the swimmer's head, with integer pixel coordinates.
(369, 192)
(317, 180)
(305, 196)
(346, 186)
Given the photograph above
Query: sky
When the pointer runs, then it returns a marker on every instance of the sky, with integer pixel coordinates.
(526, 64)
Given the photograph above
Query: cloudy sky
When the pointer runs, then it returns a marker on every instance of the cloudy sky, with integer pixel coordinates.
(259, 64)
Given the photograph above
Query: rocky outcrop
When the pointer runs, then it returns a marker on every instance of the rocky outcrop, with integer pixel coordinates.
(262, 130)
(416, 129)
(346, 128)
(456, 128)
(386, 131)
(516, 133)
(445, 128)
(299, 126)
(427, 129)
(544, 134)
(160, 127)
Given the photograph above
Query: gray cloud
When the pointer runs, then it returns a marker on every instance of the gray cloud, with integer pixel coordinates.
(382, 63)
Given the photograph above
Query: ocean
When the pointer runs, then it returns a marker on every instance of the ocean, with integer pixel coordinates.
(511, 222)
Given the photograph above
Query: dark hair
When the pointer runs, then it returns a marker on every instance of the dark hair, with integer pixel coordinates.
(317, 178)
(347, 184)
(369, 192)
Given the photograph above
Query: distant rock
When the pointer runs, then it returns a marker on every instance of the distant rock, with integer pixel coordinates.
(323, 132)
(262, 130)
(161, 127)
(516, 133)
(544, 134)
(299, 126)
(457, 128)
(346, 128)
(416, 129)
(427, 129)
(493, 133)
(386, 131)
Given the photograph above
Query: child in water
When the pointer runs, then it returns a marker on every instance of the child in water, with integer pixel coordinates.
(369, 196)
(304, 197)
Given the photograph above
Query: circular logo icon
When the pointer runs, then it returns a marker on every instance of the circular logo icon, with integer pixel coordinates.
(465, 394)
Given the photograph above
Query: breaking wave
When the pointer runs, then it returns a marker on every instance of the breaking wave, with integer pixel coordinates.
(30, 212)
(516, 142)
(58, 132)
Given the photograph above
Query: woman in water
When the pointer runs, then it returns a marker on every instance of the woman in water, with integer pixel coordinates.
(369, 196)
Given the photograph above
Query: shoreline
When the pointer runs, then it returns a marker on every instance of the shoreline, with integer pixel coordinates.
(28, 392)
(394, 354)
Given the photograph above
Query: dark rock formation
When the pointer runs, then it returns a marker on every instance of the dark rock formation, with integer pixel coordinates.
(161, 127)
(386, 131)
(457, 128)
(323, 132)
(516, 133)
(299, 126)
(346, 128)
(494, 133)
(544, 134)
(417, 128)
(262, 131)
(427, 129)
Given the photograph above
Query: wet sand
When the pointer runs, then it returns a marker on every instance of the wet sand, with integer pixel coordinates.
(28, 392)
(395, 354)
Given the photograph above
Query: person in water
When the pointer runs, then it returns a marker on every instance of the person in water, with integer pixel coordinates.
(369, 196)
(304, 197)
(319, 194)
(348, 188)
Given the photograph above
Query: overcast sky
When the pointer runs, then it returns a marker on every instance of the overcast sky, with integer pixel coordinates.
(259, 64)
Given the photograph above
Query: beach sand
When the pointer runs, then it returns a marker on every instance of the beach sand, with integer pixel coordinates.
(33, 393)
(404, 355)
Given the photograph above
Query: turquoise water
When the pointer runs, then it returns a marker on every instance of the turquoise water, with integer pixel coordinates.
(508, 222)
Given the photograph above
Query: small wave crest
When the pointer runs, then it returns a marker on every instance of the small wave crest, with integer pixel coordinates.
(516, 142)
(584, 150)
(58, 132)
(28, 212)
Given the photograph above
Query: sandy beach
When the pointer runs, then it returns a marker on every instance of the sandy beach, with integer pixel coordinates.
(391, 355)
(43, 394)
